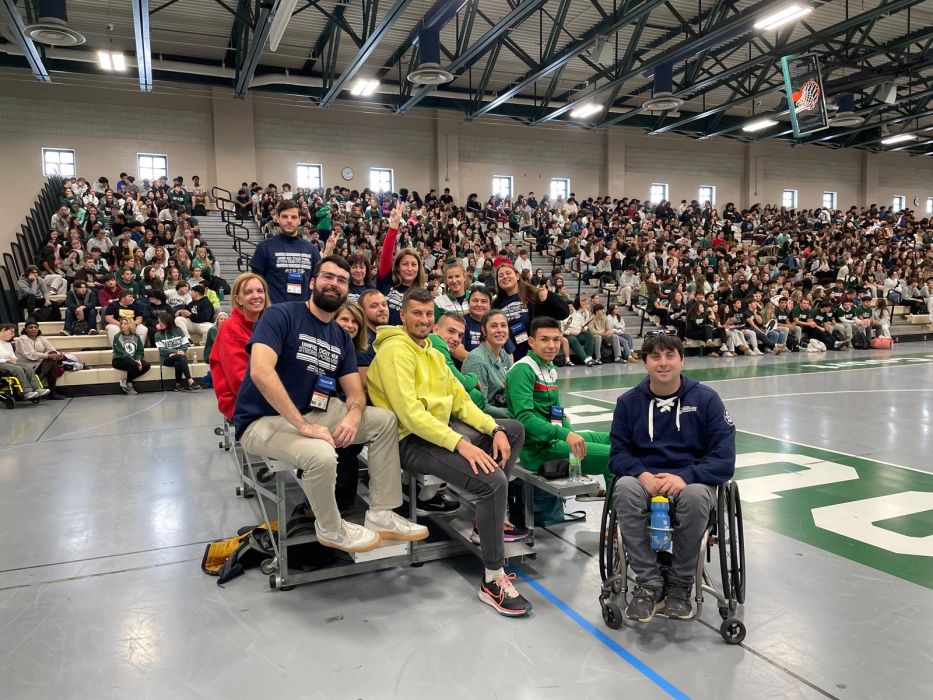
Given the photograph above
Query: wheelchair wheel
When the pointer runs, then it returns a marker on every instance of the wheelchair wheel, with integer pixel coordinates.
(612, 615)
(605, 567)
(723, 523)
(732, 630)
(9, 402)
(737, 543)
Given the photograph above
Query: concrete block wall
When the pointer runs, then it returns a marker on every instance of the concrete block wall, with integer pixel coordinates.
(226, 141)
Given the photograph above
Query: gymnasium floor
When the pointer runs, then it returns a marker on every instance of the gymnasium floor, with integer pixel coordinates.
(106, 503)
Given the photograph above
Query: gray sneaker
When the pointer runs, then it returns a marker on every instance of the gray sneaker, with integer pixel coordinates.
(677, 603)
(644, 604)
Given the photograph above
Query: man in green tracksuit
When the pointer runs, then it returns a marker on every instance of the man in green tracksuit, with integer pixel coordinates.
(447, 336)
(532, 399)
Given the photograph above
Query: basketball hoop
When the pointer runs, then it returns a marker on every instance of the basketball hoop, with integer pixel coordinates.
(808, 97)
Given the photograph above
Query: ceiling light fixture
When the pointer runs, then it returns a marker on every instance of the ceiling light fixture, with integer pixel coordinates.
(900, 138)
(782, 16)
(363, 87)
(759, 125)
(585, 110)
(111, 60)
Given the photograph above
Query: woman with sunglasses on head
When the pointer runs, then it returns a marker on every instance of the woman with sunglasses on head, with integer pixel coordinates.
(522, 303)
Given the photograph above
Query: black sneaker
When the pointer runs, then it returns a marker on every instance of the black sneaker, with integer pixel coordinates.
(194, 386)
(677, 603)
(438, 505)
(501, 595)
(513, 533)
(181, 387)
(644, 604)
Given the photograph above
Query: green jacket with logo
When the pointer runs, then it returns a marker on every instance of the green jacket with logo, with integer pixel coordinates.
(530, 391)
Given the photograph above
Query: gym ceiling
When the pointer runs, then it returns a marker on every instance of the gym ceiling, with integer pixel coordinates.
(701, 68)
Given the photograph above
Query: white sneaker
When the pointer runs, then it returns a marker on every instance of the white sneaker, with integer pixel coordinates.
(392, 526)
(757, 352)
(349, 538)
(588, 362)
(44, 392)
(30, 395)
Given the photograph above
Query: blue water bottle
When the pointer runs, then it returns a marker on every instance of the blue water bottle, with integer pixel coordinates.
(659, 528)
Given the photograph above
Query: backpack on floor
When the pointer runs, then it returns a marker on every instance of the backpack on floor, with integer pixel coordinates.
(859, 339)
(881, 343)
(80, 327)
(816, 346)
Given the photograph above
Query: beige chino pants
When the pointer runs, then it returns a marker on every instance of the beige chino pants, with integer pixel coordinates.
(274, 437)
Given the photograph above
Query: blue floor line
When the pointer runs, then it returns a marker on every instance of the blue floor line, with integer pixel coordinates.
(606, 640)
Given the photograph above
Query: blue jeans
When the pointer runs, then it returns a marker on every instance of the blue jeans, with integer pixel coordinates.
(90, 315)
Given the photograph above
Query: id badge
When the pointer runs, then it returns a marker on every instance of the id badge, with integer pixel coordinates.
(322, 390)
(293, 283)
(557, 415)
(519, 332)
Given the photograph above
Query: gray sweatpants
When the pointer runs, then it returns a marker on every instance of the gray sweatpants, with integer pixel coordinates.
(691, 508)
(274, 437)
(422, 457)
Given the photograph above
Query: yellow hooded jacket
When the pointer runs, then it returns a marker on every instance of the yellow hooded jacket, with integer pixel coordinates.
(414, 382)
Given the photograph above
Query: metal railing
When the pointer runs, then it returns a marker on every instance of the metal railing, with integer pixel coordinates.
(34, 233)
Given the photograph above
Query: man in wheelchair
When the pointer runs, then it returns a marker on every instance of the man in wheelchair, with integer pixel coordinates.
(670, 436)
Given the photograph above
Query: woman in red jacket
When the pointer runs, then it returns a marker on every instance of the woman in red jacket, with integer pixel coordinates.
(229, 359)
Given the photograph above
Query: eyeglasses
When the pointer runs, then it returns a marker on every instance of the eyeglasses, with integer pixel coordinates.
(331, 277)
(665, 331)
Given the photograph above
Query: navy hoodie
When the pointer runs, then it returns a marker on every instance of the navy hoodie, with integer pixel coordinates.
(690, 434)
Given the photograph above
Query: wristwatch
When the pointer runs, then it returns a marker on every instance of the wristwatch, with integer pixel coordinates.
(497, 429)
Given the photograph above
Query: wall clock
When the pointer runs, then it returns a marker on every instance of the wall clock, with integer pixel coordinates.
(347, 174)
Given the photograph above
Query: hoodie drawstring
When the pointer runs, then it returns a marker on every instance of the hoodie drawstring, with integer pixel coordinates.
(664, 406)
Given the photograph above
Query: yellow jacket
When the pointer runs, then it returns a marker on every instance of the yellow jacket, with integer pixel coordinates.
(414, 382)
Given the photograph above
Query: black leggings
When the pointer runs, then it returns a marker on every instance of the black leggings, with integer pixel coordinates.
(180, 363)
(124, 364)
(706, 333)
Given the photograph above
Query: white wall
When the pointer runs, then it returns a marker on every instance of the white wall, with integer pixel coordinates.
(263, 138)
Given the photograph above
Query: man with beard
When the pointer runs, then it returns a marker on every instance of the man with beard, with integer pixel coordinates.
(287, 410)
(287, 260)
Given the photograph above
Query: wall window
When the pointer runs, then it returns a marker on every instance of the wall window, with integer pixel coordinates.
(657, 192)
(560, 188)
(310, 176)
(929, 205)
(58, 161)
(789, 199)
(707, 194)
(829, 200)
(152, 166)
(899, 202)
(381, 180)
(502, 186)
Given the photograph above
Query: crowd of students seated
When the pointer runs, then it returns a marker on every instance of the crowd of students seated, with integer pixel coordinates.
(128, 260)
(753, 281)
(733, 280)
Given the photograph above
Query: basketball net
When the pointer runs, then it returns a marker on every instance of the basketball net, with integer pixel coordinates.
(807, 98)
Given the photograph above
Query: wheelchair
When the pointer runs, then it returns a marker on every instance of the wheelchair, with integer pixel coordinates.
(724, 530)
(11, 390)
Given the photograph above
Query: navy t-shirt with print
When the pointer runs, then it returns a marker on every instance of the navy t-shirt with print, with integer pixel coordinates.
(365, 358)
(393, 294)
(284, 261)
(306, 347)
